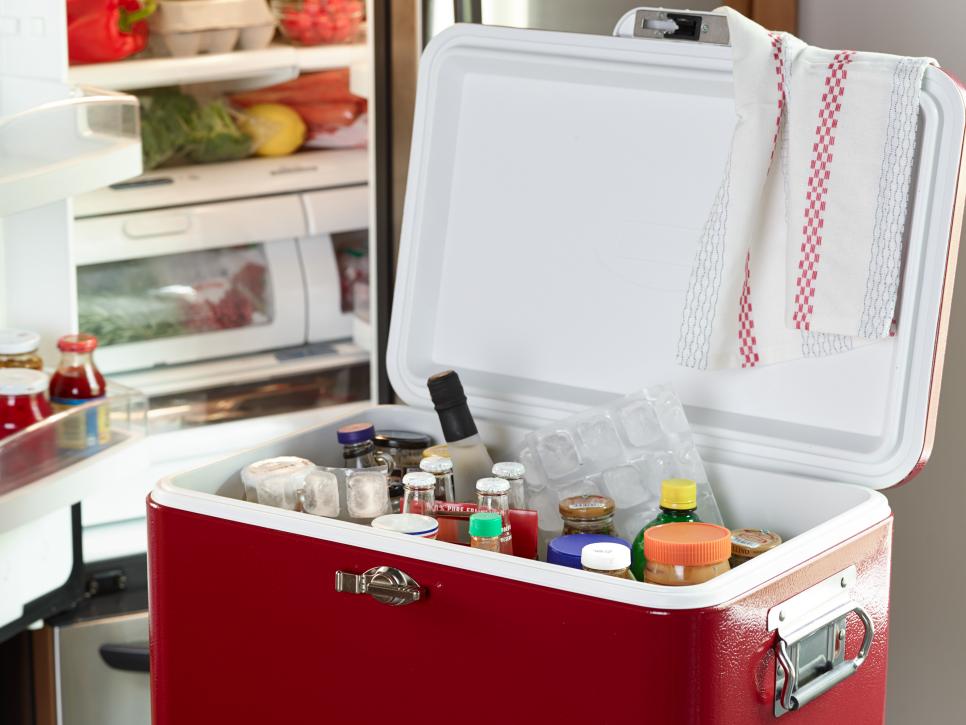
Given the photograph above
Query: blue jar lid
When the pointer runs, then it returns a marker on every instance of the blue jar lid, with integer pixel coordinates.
(565, 550)
(355, 433)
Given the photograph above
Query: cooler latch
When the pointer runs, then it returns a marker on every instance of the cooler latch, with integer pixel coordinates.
(684, 25)
(810, 651)
(383, 583)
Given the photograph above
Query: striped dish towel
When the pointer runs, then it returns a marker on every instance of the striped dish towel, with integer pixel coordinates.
(801, 252)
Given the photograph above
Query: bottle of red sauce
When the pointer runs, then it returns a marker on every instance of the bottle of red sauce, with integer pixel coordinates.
(75, 382)
(23, 402)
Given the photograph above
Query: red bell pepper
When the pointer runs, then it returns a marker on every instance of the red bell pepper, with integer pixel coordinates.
(106, 30)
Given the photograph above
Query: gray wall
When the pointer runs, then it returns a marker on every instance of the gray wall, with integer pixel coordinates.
(928, 638)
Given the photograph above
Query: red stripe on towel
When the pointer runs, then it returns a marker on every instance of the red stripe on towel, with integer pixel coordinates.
(818, 188)
(778, 55)
(747, 342)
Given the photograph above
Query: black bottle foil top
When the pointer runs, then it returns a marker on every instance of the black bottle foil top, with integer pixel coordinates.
(448, 397)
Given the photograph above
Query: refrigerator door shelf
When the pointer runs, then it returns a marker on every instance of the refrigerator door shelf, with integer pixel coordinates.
(69, 140)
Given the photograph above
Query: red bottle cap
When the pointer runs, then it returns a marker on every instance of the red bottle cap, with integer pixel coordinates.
(77, 343)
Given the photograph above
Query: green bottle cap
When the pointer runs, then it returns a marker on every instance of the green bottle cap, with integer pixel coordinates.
(486, 525)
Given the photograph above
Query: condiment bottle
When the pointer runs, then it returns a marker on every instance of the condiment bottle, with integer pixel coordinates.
(419, 489)
(18, 349)
(680, 554)
(485, 531)
(746, 544)
(514, 473)
(607, 558)
(493, 494)
(442, 470)
(75, 382)
(22, 400)
(589, 514)
(471, 460)
(679, 502)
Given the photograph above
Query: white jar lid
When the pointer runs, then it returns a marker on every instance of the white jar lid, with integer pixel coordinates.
(509, 469)
(419, 480)
(22, 381)
(17, 342)
(492, 485)
(436, 464)
(605, 556)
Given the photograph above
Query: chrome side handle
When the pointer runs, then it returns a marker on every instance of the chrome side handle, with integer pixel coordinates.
(811, 630)
(383, 583)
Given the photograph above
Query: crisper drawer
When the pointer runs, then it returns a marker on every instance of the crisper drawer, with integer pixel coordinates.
(190, 283)
(246, 593)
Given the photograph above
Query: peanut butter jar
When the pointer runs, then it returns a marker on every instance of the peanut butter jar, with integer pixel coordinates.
(681, 554)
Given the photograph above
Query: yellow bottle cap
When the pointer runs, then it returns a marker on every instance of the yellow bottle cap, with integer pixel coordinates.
(679, 494)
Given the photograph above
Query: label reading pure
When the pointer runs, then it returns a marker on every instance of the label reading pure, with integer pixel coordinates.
(83, 430)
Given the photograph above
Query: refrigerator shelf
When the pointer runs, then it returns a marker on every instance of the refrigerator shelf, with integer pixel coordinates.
(58, 140)
(251, 68)
(38, 475)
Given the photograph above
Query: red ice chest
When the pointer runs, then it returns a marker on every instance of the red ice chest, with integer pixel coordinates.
(557, 188)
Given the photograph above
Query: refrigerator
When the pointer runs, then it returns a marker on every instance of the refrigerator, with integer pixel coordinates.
(556, 185)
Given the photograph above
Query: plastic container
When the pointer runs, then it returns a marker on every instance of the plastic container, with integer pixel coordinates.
(18, 349)
(607, 558)
(682, 554)
(565, 550)
(424, 527)
(320, 22)
(587, 515)
(188, 27)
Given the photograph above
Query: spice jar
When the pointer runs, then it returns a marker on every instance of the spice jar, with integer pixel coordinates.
(18, 349)
(589, 514)
(607, 558)
(486, 528)
(680, 554)
(746, 544)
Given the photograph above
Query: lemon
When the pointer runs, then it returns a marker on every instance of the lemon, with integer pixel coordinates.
(277, 130)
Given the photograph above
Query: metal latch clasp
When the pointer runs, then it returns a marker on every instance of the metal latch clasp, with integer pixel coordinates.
(383, 583)
(810, 651)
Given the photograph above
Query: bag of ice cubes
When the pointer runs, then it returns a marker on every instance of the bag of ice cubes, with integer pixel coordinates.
(622, 450)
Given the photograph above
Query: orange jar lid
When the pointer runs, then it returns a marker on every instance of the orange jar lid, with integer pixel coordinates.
(687, 544)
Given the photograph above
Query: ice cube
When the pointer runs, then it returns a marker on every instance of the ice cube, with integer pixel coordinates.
(655, 467)
(624, 485)
(640, 424)
(629, 522)
(320, 494)
(280, 491)
(534, 479)
(598, 438)
(558, 453)
(671, 414)
(547, 506)
(687, 464)
(583, 487)
(367, 494)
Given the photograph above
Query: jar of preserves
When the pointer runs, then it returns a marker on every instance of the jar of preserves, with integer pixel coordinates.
(75, 382)
(589, 514)
(403, 447)
(681, 554)
(18, 349)
(22, 400)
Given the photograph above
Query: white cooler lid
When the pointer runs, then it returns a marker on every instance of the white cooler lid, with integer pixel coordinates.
(557, 188)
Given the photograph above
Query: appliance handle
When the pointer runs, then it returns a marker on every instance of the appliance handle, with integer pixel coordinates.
(128, 656)
(467, 11)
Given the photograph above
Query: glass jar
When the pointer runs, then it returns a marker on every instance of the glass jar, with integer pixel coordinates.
(403, 447)
(566, 550)
(514, 473)
(22, 400)
(589, 514)
(75, 382)
(486, 528)
(746, 544)
(18, 349)
(493, 494)
(419, 489)
(442, 470)
(607, 558)
(682, 554)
